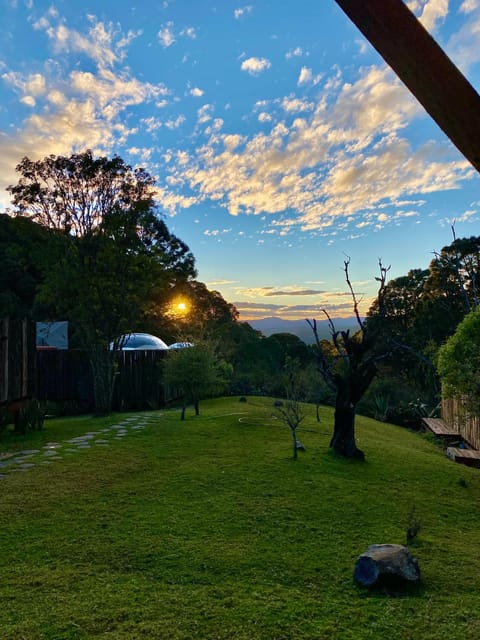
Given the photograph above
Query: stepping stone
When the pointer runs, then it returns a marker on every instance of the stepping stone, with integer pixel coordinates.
(92, 433)
(70, 451)
(29, 452)
(53, 445)
(51, 454)
(84, 446)
(100, 441)
(26, 465)
(2, 476)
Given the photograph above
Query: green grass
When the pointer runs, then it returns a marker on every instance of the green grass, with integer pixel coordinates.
(208, 529)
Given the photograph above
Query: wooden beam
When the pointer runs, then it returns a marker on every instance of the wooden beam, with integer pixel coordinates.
(423, 67)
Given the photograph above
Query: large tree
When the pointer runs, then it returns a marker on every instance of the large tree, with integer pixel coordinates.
(24, 248)
(420, 310)
(459, 362)
(350, 370)
(114, 258)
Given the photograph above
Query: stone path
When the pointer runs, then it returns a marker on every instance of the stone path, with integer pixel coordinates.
(52, 452)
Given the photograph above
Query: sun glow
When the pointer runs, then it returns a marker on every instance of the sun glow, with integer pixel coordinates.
(179, 308)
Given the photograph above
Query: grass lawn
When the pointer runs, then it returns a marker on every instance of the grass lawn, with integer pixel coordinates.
(208, 529)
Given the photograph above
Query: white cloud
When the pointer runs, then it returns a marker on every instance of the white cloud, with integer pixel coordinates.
(101, 43)
(464, 46)
(242, 11)
(189, 32)
(298, 51)
(80, 109)
(165, 35)
(28, 100)
(204, 114)
(255, 66)
(433, 13)
(151, 124)
(306, 77)
(264, 117)
(31, 85)
(468, 6)
(175, 123)
(195, 91)
(292, 105)
(334, 167)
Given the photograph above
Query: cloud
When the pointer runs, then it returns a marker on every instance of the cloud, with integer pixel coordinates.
(101, 43)
(433, 12)
(242, 11)
(295, 292)
(464, 46)
(343, 161)
(468, 6)
(189, 32)
(78, 109)
(257, 310)
(292, 105)
(196, 92)
(255, 66)
(269, 292)
(165, 35)
(265, 117)
(306, 77)
(294, 53)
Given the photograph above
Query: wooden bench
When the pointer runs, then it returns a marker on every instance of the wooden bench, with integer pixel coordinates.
(438, 427)
(470, 457)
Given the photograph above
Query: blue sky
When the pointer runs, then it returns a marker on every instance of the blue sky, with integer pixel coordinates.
(281, 141)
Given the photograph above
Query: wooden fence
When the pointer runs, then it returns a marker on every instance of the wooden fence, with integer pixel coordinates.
(64, 377)
(456, 415)
(17, 360)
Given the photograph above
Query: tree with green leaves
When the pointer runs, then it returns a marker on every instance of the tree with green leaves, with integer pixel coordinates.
(196, 373)
(459, 362)
(24, 248)
(113, 259)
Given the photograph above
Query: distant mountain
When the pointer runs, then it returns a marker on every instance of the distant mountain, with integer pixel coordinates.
(300, 328)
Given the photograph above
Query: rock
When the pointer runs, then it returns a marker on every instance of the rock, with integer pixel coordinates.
(392, 562)
(299, 446)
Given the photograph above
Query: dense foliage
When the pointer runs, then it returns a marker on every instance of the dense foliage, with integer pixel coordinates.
(459, 362)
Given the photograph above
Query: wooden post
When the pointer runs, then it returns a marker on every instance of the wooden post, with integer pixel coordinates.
(423, 67)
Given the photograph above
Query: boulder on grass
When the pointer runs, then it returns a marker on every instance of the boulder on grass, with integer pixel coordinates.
(390, 562)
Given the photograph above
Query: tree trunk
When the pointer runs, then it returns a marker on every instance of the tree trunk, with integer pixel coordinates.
(197, 407)
(182, 417)
(295, 447)
(102, 364)
(343, 439)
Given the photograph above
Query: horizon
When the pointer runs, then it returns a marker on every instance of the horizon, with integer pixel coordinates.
(280, 140)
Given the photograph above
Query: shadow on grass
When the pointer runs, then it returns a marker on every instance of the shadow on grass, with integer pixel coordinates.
(389, 587)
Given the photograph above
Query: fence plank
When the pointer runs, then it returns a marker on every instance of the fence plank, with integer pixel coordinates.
(65, 377)
(456, 415)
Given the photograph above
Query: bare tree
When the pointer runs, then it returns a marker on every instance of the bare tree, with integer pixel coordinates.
(352, 370)
(291, 413)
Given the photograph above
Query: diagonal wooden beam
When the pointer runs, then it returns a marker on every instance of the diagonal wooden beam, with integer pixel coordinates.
(423, 67)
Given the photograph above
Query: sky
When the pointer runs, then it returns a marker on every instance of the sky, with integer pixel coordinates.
(281, 142)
